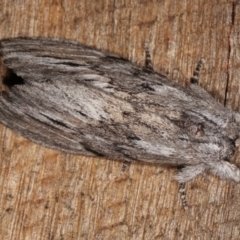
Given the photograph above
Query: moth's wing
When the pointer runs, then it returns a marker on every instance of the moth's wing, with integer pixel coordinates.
(81, 100)
(43, 103)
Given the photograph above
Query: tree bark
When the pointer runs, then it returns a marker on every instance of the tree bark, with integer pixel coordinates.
(46, 194)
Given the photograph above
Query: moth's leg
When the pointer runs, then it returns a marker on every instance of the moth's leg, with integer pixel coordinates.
(185, 174)
(182, 191)
(189, 172)
(226, 170)
(148, 61)
(126, 164)
(195, 77)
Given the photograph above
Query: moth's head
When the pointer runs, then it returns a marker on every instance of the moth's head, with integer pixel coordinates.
(236, 122)
(237, 118)
(233, 128)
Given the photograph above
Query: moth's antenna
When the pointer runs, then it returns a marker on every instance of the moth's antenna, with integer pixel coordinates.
(182, 191)
(148, 60)
(195, 77)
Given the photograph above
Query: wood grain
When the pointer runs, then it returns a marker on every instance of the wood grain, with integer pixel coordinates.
(46, 194)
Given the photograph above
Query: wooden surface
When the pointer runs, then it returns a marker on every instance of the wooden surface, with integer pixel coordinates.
(46, 194)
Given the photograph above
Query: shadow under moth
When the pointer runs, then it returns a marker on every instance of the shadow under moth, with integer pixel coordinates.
(80, 100)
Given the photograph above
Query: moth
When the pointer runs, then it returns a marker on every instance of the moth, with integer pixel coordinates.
(80, 100)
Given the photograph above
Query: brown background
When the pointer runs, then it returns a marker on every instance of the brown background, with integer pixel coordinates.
(46, 194)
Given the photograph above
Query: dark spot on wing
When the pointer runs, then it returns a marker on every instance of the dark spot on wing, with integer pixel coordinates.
(11, 78)
(56, 121)
(147, 86)
(95, 152)
(133, 137)
(70, 64)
